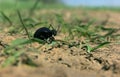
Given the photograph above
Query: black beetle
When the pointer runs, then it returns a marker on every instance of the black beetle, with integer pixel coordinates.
(45, 33)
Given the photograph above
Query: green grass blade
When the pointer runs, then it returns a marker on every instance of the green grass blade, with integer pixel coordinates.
(6, 17)
(91, 49)
(38, 40)
(20, 41)
(21, 20)
(16, 43)
(100, 45)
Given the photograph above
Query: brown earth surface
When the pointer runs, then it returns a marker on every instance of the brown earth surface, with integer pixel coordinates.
(68, 62)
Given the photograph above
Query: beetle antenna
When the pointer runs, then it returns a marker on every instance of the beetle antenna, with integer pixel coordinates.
(58, 28)
(51, 27)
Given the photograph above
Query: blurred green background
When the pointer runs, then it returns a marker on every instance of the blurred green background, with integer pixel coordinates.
(26, 4)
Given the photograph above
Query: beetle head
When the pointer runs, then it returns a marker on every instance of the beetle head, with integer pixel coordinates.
(54, 32)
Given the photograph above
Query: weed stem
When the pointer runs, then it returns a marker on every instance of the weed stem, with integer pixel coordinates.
(23, 24)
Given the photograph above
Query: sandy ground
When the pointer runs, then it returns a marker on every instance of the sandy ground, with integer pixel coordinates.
(69, 62)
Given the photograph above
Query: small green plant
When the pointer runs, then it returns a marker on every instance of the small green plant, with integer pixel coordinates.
(6, 18)
(91, 34)
(85, 30)
(12, 50)
(92, 49)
